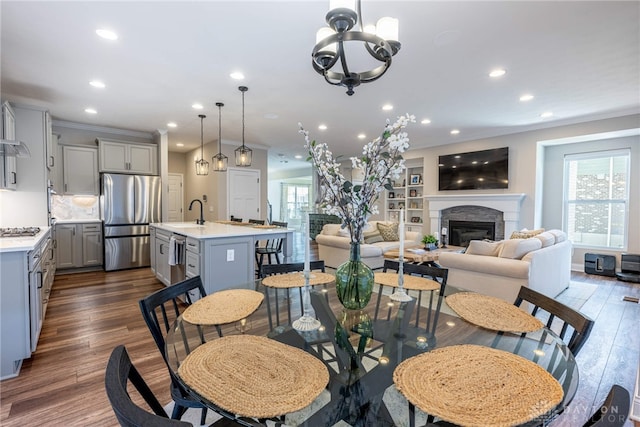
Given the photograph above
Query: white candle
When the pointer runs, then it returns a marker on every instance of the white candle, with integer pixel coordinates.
(401, 232)
(306, 244)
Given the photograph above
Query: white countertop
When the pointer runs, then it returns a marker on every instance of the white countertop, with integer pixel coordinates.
(22, 244)
(212, 230)
(76, 221)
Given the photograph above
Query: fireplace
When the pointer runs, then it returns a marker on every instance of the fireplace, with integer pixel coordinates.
(462, 232)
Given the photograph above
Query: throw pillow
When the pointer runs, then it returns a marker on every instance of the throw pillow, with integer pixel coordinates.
(373, 237)
(480, 247)
(517, 248)
(526, 234)
(546, 238)
(344, 232)
(560, 235)
(389, 232)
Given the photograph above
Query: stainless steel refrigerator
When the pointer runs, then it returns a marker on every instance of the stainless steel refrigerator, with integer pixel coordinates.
(129, 203)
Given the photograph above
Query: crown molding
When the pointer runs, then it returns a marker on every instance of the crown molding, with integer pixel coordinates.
(103, 129)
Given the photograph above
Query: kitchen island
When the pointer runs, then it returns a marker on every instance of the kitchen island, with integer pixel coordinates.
(222, 254)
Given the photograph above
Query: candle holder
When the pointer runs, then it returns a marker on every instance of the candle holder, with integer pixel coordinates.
(400, 294)
(307, 322)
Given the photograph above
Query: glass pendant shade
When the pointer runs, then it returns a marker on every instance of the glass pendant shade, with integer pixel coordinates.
(202, 166)
(220, 161)
(243, 153)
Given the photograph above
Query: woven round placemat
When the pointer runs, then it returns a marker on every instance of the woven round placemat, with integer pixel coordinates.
(265, 226)
(223, 307)
(492, 313)
(472, 385)
(254, 376)
(412, 283)
(296, 280)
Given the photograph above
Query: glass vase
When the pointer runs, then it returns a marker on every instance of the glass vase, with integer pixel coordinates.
(354, 281)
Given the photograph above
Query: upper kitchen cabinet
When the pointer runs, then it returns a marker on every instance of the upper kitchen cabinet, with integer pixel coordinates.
(123, 157)
(80, 170)
(8, 169)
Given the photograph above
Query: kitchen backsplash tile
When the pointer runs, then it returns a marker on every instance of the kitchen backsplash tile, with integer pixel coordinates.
(75, 207)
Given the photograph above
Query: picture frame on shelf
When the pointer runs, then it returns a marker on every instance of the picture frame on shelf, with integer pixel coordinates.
(415, 219)
(413, 192)
(392, 195)
(400, 205)
(392, 206)
(415, 179)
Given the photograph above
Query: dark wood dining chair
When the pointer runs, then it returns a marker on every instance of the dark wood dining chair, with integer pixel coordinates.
(271, 248)
(614, 411)
(159, 311)
(119, 373)
(431, 311)
(234, 219)
(542, 306)
(273, 294)
(256, 221)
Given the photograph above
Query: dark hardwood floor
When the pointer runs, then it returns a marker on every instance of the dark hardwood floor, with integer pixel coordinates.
(90, 313)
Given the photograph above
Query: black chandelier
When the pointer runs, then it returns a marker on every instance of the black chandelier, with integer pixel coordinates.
(202, 166)
(381, 42)
(220, 160)
(243, 153)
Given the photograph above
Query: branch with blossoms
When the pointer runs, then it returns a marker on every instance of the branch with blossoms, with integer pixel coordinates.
(381, 162)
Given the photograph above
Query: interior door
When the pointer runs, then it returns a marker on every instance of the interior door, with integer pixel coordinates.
(244, 193)
(175, 198)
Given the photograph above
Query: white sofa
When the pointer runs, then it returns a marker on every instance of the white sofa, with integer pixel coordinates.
(334, 245)
(542, 262)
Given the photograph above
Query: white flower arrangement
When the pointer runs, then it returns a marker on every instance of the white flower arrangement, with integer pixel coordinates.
(381, 162)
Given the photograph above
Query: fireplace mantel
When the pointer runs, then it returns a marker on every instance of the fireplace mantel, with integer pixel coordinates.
(509, 204)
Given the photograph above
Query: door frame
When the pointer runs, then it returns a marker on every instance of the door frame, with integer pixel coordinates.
(181, 176)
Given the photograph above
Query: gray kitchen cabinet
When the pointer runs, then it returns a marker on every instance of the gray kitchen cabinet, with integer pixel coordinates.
(91, 244)
(162, 267)
(122, 157)
(80, 170)
(78, 245)
(26, 283)
(152, 249)
(8, 164)
(192, 257)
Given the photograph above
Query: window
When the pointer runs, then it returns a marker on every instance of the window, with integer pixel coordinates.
(596, 198)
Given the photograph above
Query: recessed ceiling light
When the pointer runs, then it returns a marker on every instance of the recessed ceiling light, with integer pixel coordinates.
(197, 106)
(387, 107)
(90, 111)
(526, 97)
(106, 34)
(172, 125)
(362, 136)
(546, 114)
(298, 156)
(498, 72)
(98, 84)
(237, 75)
(179, 144)
(455, 131)
(425, 121)
(322, 127)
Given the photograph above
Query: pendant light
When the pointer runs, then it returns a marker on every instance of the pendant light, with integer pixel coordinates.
(243, 153)
(220, 160)
(202, 166)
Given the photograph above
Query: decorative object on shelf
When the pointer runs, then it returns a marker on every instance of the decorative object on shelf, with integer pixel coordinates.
(392, 195)
(381, 42)
(415, 179)
(202, 166)
(220, 161)
(430, 242)
(243, 153)
(415, 219)
(307, 322)
(392, 206)
(381, 161)
(400, 205)
(413, 193)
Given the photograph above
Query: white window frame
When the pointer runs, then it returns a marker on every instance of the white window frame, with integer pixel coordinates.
(566, 202)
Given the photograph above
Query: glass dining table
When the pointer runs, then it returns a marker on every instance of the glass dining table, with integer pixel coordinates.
(364, 359)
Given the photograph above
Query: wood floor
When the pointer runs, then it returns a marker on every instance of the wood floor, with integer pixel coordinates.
(90, 313)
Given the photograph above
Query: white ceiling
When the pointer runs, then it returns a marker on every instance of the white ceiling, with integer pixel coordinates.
(580, 60)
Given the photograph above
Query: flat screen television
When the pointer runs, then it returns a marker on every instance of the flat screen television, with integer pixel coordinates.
(477, 170)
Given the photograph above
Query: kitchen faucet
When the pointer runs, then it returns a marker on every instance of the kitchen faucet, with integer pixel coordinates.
(201, 220)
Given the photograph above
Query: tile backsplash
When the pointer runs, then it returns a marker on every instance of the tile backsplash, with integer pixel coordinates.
(75, 207)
